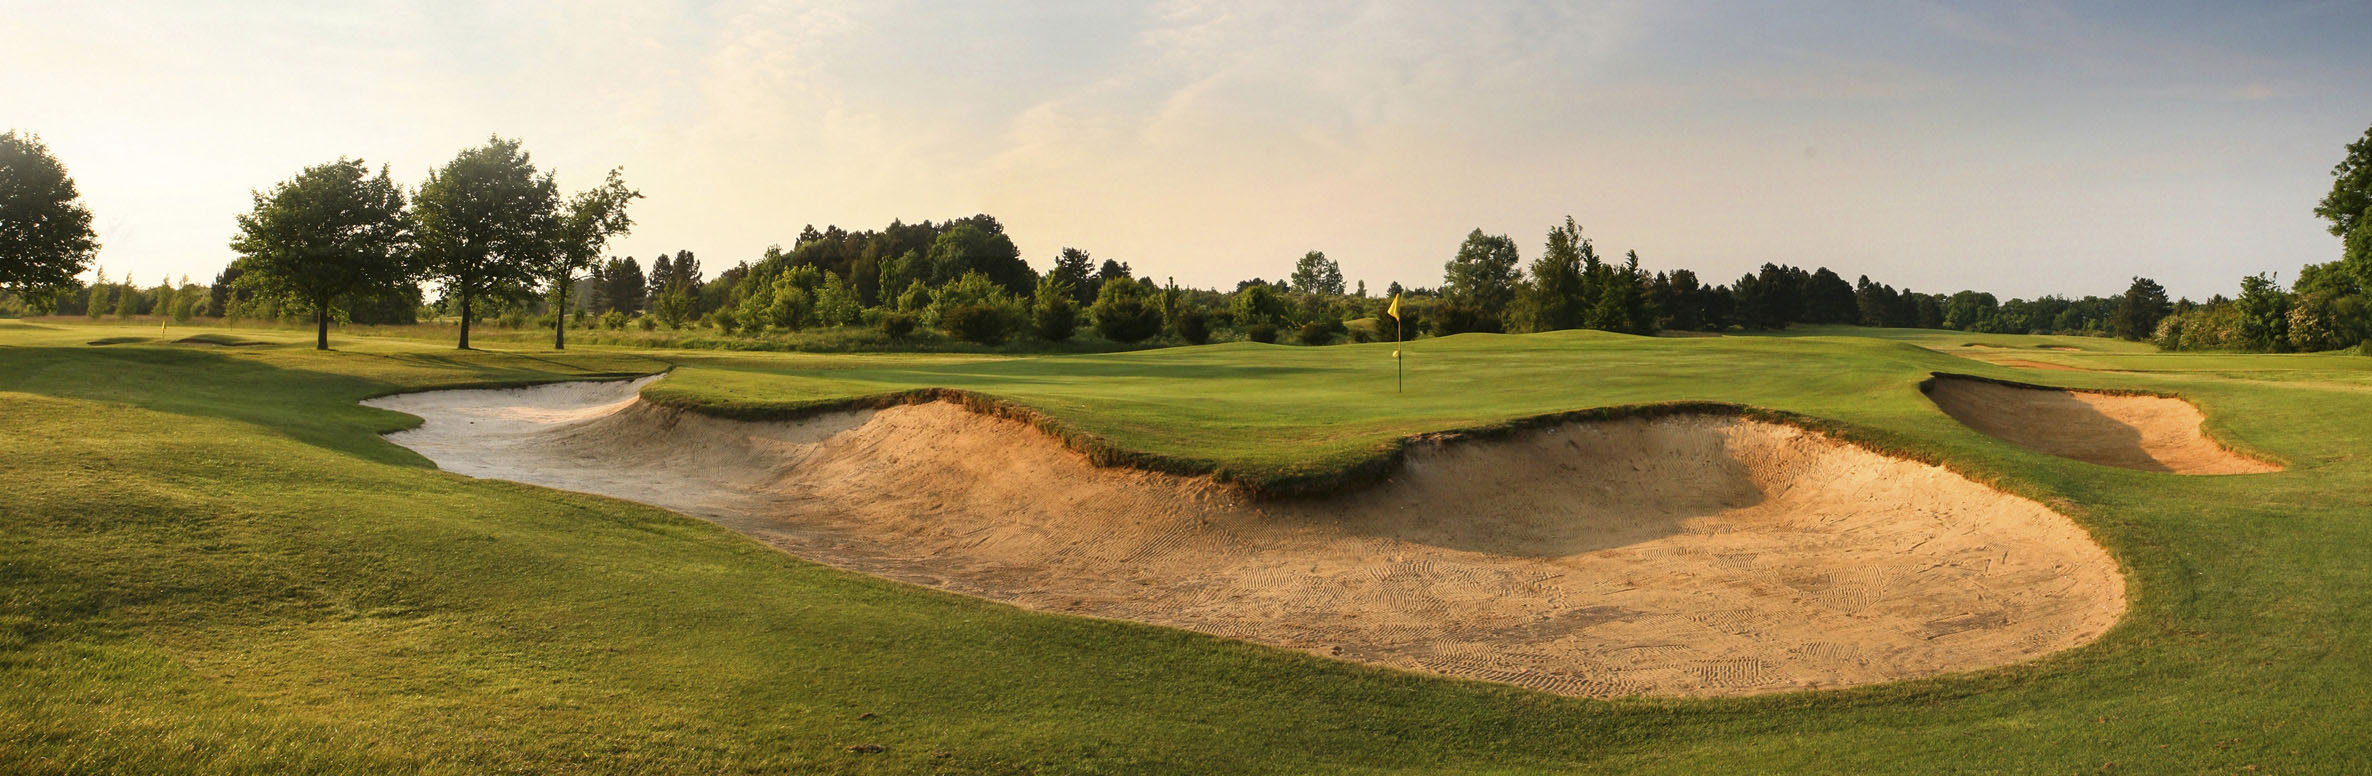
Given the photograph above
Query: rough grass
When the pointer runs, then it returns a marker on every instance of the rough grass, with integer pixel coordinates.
(209, 562)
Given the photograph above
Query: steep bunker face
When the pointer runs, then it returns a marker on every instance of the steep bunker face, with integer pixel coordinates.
(2148, 433)
(1679, 556)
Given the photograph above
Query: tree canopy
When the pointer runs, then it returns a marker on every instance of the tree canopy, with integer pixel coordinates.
(486, 219)
(45, 230)
(593, 217)
(1316, 274)
(330, 233)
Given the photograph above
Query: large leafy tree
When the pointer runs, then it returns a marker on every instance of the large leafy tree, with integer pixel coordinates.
(45, 231)
(593, 217)
(1557, 295)
(1483, 274)
(334, 232)
(2349, 207)
(1316, 274)
(486, 221)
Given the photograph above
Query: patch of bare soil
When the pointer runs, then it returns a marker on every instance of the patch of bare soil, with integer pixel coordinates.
(1691, 555)
(2149, 433)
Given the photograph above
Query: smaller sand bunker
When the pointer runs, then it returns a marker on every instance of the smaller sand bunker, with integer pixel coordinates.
(2148, 433)
(1691, 555)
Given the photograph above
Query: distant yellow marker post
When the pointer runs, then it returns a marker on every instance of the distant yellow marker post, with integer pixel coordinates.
(1399, 368)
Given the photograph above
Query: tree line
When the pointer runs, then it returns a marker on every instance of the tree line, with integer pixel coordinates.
(340, 242)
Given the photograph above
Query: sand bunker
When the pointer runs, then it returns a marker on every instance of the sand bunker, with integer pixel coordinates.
(1691, 555)
(2149, 433)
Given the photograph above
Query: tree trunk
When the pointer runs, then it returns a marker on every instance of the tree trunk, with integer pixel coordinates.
(321, 323)
(465, 320)
(560, 320)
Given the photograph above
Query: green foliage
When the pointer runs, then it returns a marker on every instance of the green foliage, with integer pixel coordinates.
(1481, 278)
(836, 302)
(1259, 303)
(591, 218)
(2348, 207)
(1316, 274)
(614, 320)
(1263, 332)
(1055, 310)
(331, 233)
(1192, 325)
(1322, 332)
(898, 325)
(985, 324)
(487, 219)
(45, 230)
(2264, 310)
(1558, 294)
(968, 249)
(1454, 317)
(2140, 309)
(1126, 311)
(1622, 301)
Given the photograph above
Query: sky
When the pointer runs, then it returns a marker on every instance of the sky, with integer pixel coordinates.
(2017, 148)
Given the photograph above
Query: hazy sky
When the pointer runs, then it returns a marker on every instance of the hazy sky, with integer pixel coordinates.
(2017, 148)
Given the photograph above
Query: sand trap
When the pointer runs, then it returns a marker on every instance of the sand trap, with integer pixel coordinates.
(1692, 555)
(2149, 433)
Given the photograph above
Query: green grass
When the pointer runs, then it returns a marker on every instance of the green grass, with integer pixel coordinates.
(210, 562)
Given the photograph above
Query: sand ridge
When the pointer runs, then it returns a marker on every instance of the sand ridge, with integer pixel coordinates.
(1681, 556)
(2132, 431)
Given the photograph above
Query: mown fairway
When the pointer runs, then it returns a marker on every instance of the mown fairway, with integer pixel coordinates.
(211, 562)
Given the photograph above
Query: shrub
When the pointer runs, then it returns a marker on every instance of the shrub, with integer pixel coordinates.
(1456, 318)
(1054, 312)
(1321, 332)
(898, 325)
(613, 320)
(1194, 326)
(1261, 332)
(986, 324)
(646, 323)
(1124, 311)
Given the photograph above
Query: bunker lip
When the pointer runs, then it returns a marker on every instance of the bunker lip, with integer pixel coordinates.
(1696, 550)
(2128, 429)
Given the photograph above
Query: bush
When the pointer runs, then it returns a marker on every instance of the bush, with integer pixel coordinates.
(1261, 332)
(1454, 318)
(646, 323)
(898, 325)
(613, 320)
(1321, 332)
(1194, 326)
(1124, 311)
(986, 324)
(1054, 312)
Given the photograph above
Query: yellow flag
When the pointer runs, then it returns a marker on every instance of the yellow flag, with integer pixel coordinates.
(1395, 308)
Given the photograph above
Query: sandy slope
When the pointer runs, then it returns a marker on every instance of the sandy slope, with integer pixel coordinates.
(2150, 433)
(1679, 556)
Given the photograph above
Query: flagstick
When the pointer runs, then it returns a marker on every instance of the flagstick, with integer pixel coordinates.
(1399, 368)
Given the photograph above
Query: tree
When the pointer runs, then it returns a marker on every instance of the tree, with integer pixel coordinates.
(592, 218)
(45, 231)
(330, 233)
(1829, 299)
(970, 248)
(1072, 269)
(2264, 313)
(1481, 278)
(2349, 207)
(1555, 297)
(2139, 310)
(1316, 274)
(1622, 302)
(486, 220)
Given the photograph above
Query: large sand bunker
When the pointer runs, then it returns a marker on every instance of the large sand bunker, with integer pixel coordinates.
(2149, 433)
(1685, 555)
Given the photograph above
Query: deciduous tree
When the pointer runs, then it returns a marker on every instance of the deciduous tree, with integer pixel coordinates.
(45, 230)
(331, 233)
(486, 220)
